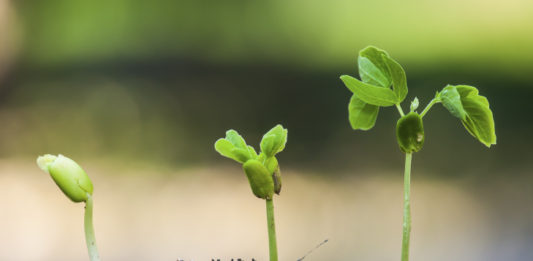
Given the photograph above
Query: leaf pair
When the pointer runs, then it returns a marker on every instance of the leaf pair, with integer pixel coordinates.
(262, 170)
(465, 103)
(378, 72)
(234, 147)
(274, 141)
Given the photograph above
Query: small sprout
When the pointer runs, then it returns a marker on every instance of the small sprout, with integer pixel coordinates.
(234, 147)
(77, 186)
(414, 104)
(383, 84)
(68, 175)
(261, 170)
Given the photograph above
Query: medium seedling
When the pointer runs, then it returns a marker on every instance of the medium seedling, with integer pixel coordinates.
(262, 170)
(77, 186)
(383, 84)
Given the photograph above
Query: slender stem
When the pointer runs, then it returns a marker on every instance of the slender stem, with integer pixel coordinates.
(273, 248)
(406, 207)
(400, 110)
(89, 230)
(430, 104)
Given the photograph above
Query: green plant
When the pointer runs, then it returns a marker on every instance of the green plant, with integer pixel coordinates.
(383, 84)
(262, 170)
(77, 186)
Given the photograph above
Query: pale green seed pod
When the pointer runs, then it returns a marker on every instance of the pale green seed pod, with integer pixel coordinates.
(68, 175)
(260, 179)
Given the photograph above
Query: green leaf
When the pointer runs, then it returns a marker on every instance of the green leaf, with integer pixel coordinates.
(235, 139)
(362, 115)
(399, 80)
(376, 67)
(225, 148)
(479, 120)
(451, 99)
(241, 155)
(274, 141)
(373, 67)
(234, 147)
(253, 154)
(368, 93)
(371, 74)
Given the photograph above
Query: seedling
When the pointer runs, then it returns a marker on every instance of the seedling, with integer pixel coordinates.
(262, 170)
(383, 84)
(77, 186)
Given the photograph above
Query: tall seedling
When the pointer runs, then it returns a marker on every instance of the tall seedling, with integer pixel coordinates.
(383, 84)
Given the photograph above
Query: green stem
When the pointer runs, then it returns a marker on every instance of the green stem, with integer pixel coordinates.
(273, 248)
(400, 110)
(430, 104)
(406, 207)
(89, 230)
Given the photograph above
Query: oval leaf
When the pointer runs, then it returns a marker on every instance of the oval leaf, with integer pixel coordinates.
(376, 67)
(451, 99)
(399, 80)
(368, 93)
(235, 139)
(373, 68)
(234, 147)
(370, 73)
(362, 115)
(478, 119)
(274, 141)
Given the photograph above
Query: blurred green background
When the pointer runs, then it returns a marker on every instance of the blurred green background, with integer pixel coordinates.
(147, 87)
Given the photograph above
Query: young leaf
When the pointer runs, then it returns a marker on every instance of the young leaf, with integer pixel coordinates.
(234, 147)
(414, 104)
(274, 141)
(361, 114)
(235, 139)
(371, 74)
(399, 80)
(241, 155)
(253, 154)
(478, 120)
(451, 100)
(376, 67)
(373, 68)
(368, 93)
(227, 149)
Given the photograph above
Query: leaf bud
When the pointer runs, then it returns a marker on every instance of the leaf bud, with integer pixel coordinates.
(68, 175)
